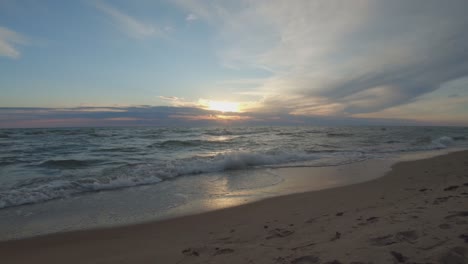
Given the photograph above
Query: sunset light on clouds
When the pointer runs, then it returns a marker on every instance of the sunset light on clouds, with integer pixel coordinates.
(254, 62)
(223, 106)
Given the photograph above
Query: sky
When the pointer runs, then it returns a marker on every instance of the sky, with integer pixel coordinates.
(266, 62)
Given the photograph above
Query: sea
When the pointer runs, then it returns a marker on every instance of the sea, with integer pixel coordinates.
(45, 172)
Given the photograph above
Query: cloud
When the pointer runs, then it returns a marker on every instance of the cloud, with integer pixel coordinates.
(8, 41)
(191, 17)
(341, 58)
(448, 104)
(167, 116)
(177, 101)
(128, 24)
(440, 111)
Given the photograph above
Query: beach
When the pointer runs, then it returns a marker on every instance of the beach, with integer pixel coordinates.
(237, 132)
(417, 213)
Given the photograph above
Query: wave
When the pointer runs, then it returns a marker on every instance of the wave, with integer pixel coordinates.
(44, 189)
(426, 143)
(287, 133)
(186, 152)
(65, 188)
(68, 163)
(7, 163)
(236, 132)
(129, 149)
(187, 143)
(293, 134)
(422, 140)
(154, 135)
(219, 133)
(442, 142)
(34, 132)
(318, 151)
(10, 160)
(237, 161)
(339, 134)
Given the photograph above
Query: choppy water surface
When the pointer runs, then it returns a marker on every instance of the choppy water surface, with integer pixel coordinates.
(37, 165)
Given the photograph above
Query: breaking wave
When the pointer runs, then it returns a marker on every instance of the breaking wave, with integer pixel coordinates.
(34, 191)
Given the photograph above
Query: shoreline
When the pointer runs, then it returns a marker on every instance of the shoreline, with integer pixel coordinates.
(218, 191)
(202, 193)
(384, 213)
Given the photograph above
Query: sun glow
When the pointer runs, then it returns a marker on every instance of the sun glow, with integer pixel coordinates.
(223, 106)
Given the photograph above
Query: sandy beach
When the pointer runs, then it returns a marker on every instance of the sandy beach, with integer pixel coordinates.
(417, 213)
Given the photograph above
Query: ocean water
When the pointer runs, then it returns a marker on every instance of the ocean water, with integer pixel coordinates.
(56, 180)
(39, 165)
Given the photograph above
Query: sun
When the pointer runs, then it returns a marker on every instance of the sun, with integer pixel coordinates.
(223, 106)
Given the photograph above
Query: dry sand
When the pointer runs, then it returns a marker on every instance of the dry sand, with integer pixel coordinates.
(417, 213)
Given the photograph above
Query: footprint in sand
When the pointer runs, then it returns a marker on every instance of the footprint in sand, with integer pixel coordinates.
(372, 219)
(408, 236)
(312, 220)
(306, 260)
(398, 256)
(405, 236)
(278, 233)
(190, 252)
(451, 188)
(445, 226)
(369, 220)
(464, 237)
(440, 200)
(456, 255)
(383, 241)
(334, 262)
(221, 251)
(336, 237)
(457, 214)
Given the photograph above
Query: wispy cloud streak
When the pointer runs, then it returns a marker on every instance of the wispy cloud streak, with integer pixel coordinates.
(8, 41)
(128, 24)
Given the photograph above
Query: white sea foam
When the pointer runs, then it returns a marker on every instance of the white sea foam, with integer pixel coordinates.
(65, 188)
(143, 174)
(442, 142)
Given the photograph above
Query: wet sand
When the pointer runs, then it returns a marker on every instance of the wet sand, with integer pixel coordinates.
(417, 213)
